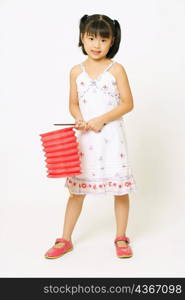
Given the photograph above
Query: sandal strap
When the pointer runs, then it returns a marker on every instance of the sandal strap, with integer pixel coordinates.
(61, 240)
(122, 238)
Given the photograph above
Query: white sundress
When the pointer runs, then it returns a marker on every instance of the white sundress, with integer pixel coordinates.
(104, 156)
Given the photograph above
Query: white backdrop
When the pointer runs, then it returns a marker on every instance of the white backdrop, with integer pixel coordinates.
(38, 47)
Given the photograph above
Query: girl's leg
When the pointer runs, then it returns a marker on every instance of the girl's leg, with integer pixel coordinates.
(73, 210)
(121, 204)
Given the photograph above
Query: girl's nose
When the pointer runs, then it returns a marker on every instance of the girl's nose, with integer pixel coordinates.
(97, 44)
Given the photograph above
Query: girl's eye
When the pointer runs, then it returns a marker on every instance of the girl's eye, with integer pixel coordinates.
(91, 38)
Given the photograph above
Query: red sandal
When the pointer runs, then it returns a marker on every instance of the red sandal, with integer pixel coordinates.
(55, 252)
(123, 251)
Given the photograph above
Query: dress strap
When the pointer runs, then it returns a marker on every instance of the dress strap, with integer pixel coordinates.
(82, 67)
(109, 66)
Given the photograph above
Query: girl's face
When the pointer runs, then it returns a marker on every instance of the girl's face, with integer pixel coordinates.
(96, 47)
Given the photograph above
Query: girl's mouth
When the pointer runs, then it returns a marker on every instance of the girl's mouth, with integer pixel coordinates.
(96, 52)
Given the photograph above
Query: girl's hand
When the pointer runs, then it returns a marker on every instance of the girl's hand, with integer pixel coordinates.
(95, 124)
(80, 124)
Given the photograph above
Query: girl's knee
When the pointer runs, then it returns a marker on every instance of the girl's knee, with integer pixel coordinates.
(77, 196)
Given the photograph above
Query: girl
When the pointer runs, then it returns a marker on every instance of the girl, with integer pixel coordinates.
(99, 96)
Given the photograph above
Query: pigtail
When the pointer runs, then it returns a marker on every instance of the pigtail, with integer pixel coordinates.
(82, 27)
(83, 19)
(117, 36)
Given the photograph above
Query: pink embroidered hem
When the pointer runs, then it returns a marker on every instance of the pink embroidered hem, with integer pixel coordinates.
(112, 186)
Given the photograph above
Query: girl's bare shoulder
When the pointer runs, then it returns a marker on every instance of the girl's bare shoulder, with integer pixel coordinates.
(118, 70)
(119, 67)
(75, 71)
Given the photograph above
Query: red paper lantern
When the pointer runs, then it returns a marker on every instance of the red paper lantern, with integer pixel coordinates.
(62, 153)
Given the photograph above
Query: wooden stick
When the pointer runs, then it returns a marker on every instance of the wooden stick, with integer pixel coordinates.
(64, 124)
(70, 124)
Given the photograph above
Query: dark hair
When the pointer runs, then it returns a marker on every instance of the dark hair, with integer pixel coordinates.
(105, 27)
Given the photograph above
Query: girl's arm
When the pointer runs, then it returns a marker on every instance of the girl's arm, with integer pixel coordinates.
(73, 96)
(126, 98)
(73, 101)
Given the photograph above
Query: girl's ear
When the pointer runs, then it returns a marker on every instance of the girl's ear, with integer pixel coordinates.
(112, 42)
